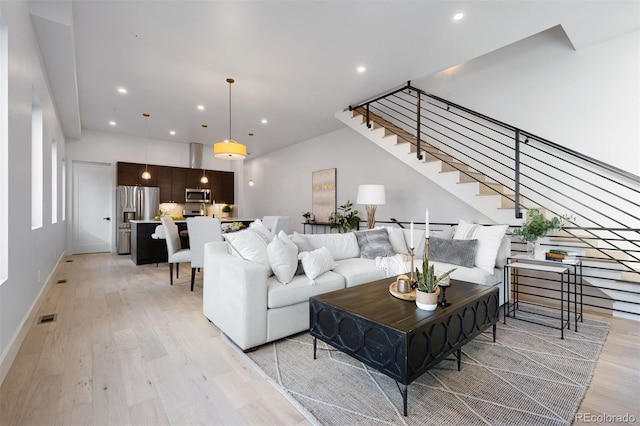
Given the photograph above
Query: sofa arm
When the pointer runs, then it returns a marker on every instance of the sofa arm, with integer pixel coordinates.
(235, 296)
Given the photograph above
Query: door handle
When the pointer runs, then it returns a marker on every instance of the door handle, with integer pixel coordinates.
(106, 218)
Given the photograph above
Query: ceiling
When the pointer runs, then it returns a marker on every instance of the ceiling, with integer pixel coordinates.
(294, 62)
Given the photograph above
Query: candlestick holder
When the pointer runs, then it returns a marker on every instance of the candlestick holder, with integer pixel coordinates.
(444, 302)
(412, 272)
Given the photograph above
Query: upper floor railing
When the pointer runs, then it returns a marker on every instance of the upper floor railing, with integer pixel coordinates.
(536, 172)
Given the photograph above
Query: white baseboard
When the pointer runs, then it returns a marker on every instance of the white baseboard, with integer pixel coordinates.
(13, 347)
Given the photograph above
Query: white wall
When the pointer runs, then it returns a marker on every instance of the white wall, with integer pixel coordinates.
(587, 100)
(33, 254)
(283, 181)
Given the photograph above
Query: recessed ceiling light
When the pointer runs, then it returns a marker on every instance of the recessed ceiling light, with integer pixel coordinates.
(264, 121)
(112, 123)
(122, 90)
(361, 69)
(172, 132)
(458, 16)
(201, 107)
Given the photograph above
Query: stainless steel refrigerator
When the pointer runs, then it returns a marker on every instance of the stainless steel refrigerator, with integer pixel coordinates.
(133, 203)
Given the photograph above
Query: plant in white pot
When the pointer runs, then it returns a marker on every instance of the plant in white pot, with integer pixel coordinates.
(536, 226)
(427, 290)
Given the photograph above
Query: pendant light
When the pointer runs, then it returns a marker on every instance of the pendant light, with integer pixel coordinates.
(204, 178)
(146, 175)
(230, 149)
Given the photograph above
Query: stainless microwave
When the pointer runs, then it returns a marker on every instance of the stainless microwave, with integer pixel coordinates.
(197, 195)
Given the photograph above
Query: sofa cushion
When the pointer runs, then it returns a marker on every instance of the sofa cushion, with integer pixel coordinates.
(418, 241)
(456, 252)
(358, 271)
(374, 243)
(302, 242)
(316, 262)
(251, 244)
(283, 257)
(300, 290)
(341, 246)
(473, 275)
(396, 238)
(489, 238)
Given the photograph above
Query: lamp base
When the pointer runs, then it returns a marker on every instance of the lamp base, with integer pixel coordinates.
(371, 215)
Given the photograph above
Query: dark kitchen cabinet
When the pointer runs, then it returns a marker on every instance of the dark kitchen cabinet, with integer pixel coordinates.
(171, 181)
(130, 174)
(193, 177)
(227, 188)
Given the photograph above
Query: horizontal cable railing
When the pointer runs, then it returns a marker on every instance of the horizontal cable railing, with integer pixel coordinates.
(528, 171)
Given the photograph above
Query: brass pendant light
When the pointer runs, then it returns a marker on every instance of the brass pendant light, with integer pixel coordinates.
(146, 175)
(230, 149)
(204, 178)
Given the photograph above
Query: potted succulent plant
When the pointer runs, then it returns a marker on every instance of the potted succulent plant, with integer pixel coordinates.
(427, 290)
(536, 226)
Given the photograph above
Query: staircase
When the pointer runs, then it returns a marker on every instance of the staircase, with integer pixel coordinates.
(501, 171)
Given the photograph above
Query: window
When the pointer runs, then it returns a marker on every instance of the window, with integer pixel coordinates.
(4, 151)
(36, 160)
(54, 180)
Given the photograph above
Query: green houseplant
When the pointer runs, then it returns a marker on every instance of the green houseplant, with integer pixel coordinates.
(307, 216)
(536, 226)
(226, 210)
(345, 219)
(427, 283)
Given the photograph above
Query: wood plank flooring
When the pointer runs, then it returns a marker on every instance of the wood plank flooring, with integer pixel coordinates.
(128, 348)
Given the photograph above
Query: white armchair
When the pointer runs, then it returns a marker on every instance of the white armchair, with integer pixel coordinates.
(201, 231)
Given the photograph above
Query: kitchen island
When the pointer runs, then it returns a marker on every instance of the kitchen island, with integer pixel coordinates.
(146, 250)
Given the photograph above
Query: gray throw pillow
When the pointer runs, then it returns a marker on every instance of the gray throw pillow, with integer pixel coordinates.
(455, 252)
(374, 243)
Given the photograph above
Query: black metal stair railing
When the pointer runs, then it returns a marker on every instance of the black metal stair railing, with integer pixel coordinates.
(523, 168)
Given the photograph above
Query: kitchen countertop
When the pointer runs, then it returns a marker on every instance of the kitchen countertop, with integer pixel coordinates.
(226, 220)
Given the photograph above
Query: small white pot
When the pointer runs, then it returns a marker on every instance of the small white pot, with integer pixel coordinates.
(427, 301)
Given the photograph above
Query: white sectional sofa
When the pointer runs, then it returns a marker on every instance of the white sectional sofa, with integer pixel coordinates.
(252, 306)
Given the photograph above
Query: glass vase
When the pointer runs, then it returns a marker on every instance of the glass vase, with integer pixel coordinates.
(532, 246)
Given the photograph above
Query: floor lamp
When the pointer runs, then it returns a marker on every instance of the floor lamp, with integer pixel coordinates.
(371, 196)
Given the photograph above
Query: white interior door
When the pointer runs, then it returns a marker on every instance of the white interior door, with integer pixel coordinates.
(92, 210)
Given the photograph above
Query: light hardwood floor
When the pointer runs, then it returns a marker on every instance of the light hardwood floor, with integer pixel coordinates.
(128, 348)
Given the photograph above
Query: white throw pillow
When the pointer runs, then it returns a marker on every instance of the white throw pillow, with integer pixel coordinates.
(251, 244)
(283, 257)
(341, 246)
(489, 238)
(396, 238)
(316, 262)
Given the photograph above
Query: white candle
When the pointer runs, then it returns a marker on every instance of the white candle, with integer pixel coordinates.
(426, 223)
(412, 234)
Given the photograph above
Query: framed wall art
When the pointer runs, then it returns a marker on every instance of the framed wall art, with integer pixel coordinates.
(323, 189)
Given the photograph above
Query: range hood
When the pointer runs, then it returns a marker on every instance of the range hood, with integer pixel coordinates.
(195, 155)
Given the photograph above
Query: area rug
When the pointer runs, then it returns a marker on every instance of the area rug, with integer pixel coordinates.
(529, 376)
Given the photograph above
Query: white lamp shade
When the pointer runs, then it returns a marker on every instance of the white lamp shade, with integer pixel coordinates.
(371, 194)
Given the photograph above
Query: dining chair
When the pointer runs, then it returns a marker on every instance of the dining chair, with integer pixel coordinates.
(201, 231)
(276, 224)
(282, 223)
(175, 253)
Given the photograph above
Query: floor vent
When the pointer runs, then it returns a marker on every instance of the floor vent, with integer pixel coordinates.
(61, 282)
(69, 260)
(45, 319)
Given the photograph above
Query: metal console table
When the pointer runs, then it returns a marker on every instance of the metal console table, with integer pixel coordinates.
(565, 272)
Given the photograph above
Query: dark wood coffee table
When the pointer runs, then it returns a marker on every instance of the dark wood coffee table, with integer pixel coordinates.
(393, 336)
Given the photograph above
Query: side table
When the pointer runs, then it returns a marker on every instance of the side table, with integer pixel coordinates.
(512, 269)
